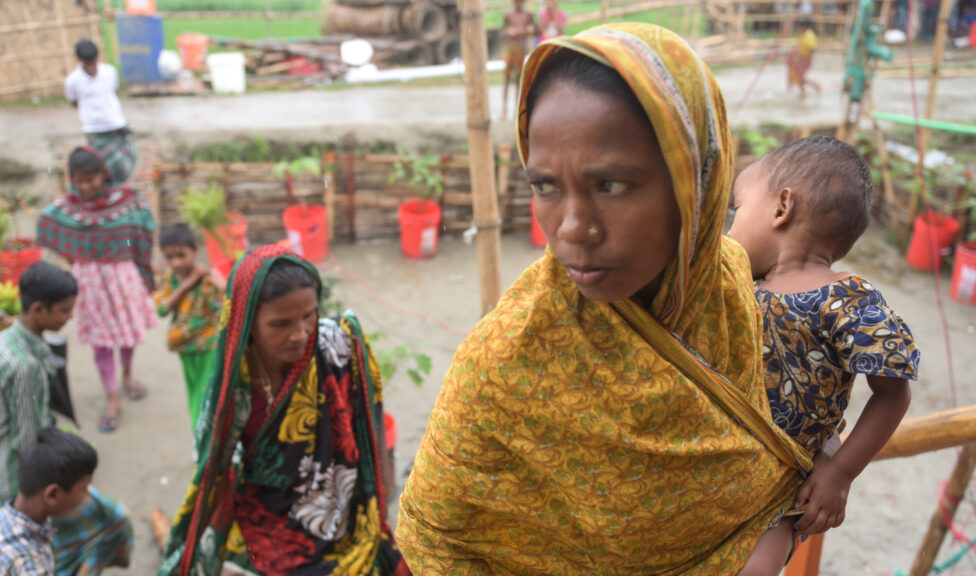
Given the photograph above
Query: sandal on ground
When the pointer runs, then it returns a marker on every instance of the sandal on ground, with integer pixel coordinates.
(136, 391)
(108, 423)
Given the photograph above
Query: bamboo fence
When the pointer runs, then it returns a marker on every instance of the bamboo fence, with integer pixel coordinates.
(37, 40)
(355, 189)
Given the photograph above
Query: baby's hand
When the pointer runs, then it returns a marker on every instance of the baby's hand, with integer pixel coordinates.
(823, 498)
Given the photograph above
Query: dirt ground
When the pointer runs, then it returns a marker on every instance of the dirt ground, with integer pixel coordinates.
(148, 461)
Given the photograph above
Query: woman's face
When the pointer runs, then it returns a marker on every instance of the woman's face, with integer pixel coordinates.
(89, 185)
(282, 327)
(603, 193)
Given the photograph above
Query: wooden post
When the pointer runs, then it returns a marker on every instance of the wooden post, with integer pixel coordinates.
(946, 508)
(268, 19)
(938, 52)
(504, 169)
(329, 166)
(484, 196)
(604, 5)
(936, 431)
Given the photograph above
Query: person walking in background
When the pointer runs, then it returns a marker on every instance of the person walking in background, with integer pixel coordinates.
(192, 296)
(552, 21)
(799, 60)
(106, 232)
(518, 29)
(91, 88)
(47, 298)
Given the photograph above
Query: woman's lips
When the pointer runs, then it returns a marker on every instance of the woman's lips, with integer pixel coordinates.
(587, 275)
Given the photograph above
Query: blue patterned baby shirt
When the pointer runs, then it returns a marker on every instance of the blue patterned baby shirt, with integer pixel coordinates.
(815, 342)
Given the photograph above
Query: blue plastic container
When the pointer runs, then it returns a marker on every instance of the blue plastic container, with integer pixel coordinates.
(140, 42)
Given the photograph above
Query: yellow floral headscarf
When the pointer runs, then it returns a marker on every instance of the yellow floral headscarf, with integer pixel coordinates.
(578, 437)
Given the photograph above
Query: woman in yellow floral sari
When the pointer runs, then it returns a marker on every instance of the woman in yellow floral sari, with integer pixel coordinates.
(609, 416)
(303, 494)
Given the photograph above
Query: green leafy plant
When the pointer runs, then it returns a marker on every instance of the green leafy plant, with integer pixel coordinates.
(13, 201)
(421, 172)
(204, 208)
(759, 143)
(415, 363)
(9, 299)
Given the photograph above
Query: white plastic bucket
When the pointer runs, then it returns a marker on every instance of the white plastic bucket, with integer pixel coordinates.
(227, 72)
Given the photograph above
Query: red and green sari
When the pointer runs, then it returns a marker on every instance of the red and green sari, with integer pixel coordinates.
(304, 494)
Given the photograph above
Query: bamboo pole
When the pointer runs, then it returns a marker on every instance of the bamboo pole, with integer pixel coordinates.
(485, 203)
(66, 49)
(330, 166)
(931, 432)
(946, 509)
(938, 53)
(268, 19)
(604, 4)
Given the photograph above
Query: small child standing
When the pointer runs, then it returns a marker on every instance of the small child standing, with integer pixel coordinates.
(91, 88)
(192, 295)
(799, 60)
(798, 210)
(552, 20)
(518, 28)
(55, 470)
(106, 232)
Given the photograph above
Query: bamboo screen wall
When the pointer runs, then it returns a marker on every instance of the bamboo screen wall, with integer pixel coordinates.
(37, 39)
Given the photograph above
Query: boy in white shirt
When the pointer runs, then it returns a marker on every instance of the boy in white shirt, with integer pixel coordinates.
(91, 88)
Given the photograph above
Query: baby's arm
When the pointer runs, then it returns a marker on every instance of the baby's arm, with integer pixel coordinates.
(823, 496)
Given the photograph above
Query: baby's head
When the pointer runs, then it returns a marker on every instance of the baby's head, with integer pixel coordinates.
(816, 191)
(179, 247)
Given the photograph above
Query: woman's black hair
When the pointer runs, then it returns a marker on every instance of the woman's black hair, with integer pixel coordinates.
(285, 277)
(571, 66)
(178, 234)
(45, 283)
(84, 160)
(86, 50)
(54, 457)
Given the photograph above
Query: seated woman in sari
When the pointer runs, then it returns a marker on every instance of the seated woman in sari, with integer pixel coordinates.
(290, 440)
(609, 415)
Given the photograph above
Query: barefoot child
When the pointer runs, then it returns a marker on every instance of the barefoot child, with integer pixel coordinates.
(799, 60)
(191, 295)
(518, 29)
(798, 210)
(91, 88)
(107, 234)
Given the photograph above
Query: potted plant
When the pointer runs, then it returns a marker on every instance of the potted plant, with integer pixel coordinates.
(419, 218)
(224, 231)
(307, 225)
(17, 253)
(9, 303)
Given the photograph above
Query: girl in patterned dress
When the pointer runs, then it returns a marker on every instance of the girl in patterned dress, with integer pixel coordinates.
(798, 210)
(107, 234)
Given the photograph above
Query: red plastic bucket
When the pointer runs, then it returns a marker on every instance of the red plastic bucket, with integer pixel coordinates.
(964, 274)
(193, 50)
(419, 221)
(932, 237)
(232, 243)
(307, 226)
(537, 236)
(391, 432)
(19, 254)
